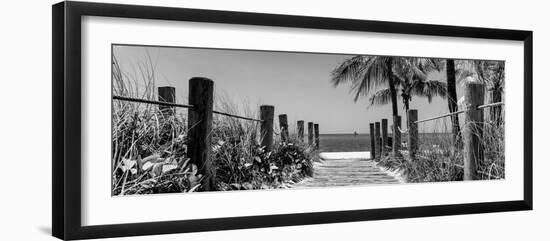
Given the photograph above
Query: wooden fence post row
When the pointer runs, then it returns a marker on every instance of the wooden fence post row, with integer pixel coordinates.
(474, 96)
(201, 97)
(472, 133)
(313, 130)
(379, 138)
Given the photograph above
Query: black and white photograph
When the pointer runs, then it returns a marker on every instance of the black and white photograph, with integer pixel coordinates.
(205, 119)
(275, 120)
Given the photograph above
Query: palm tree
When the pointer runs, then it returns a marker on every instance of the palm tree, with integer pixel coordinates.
(416, 87)
(366, 73)
(411, 75)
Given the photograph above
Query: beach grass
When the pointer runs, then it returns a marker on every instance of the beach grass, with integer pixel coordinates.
(149, 147)
(439, 159)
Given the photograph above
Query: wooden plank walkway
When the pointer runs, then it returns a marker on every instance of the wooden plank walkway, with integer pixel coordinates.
(346, 172)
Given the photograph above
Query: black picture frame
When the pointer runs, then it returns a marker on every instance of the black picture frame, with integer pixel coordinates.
(66, 159)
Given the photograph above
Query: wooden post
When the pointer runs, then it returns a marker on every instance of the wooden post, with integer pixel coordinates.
(301, 130)
(201, 96)
(412, 117)
(384, 136)
(310, 133)
(473, 129)
(267, 113)
(372, 142)
(316, 126)
(167, 94)
(283, 124)
(396, 136)
(377, 140)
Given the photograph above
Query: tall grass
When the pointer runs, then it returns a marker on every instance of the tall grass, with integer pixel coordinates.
(439, 159)
(149, 147)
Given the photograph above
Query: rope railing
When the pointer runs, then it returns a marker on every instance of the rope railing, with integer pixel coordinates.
(441, 116)
(236, 116)
(153, 102)
(459, 112)
(266, 114)
(490, 105)
(200, 123)
(451, 114)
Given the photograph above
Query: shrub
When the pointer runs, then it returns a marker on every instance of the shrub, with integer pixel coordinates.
(242, 163)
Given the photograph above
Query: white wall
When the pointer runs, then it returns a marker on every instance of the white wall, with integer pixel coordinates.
(25, 128)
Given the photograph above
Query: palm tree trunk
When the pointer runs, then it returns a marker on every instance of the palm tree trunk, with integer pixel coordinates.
(452, 100)
(391, 83)
(405, 98)
(406, 103)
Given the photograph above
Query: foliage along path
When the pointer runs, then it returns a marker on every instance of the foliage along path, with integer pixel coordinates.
(346, 172)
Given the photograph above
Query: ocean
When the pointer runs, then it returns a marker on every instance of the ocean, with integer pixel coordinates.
(344, 142)
(361, 142)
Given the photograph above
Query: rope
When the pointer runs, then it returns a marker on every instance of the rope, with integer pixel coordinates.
(150, 102)
(489, 105)
(153, 102)
(236, 116)
(459, 112)
(439, 117)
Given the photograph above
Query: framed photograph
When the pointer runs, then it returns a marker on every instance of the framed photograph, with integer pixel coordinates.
(171, 120)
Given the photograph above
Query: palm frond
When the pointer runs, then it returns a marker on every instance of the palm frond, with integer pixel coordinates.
(381, 97)
(427, 65)
(349, 70)
(376, 72)
(364, 73)
(429, 89)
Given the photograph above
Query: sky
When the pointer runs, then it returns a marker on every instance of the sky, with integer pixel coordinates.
(297, 84)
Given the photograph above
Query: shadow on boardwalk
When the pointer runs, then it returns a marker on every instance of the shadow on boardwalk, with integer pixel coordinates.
(347, 172)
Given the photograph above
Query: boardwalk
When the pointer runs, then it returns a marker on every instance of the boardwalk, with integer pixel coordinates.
(346, 171)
